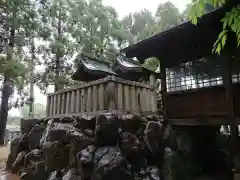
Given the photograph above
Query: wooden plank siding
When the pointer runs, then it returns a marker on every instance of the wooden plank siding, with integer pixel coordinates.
(201, 106)
(94, 97)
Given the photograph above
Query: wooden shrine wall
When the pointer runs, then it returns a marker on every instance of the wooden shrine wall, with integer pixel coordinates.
(202, 102)
(92, 98)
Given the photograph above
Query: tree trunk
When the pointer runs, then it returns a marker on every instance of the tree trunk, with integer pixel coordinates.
(102, 43)
(57, 73)
(31, 65)
(6, 91)
(57, 85)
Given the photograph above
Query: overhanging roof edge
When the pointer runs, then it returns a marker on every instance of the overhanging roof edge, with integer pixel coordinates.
(134, 50)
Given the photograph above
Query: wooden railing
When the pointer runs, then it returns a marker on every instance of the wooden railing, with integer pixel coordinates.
(110, 93)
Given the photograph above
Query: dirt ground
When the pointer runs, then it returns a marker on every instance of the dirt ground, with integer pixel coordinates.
(4, 153)
(3, 157)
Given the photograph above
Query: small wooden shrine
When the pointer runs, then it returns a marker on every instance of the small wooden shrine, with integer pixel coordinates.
(106, 89)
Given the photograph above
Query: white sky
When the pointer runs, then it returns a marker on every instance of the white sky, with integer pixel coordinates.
(123, 7)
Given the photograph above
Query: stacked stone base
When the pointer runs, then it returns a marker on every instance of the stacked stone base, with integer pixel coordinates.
(104, 147)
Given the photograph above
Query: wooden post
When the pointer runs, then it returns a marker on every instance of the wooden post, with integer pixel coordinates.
(95, 98)
(51, 105)
(152, 80)
(83, 101)
(89, 99)
(63, 103)
(126, 97)
(68, 98)
(120, 96)
(72, 103)
(227, 79)
(58, 104)
(77, 110)
(164, 103)
(48, 106)
(101, 97)
(111, 91)
(133, 99)
(144, 100)
(163, 92)
(54, 104)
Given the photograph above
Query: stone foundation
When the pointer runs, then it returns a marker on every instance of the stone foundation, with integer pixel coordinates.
(103, 147)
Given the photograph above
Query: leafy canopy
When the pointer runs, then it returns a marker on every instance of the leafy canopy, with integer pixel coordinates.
(231, 21)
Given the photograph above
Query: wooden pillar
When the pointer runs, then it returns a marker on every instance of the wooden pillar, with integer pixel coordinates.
(164, 103)
(227, 79)
(152, 81)
(163, 92)
(48, 106)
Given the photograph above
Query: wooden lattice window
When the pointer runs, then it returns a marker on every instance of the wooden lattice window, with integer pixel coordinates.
(199, 74)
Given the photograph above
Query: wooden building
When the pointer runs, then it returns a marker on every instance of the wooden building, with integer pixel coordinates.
(195, 83)
(199, 89)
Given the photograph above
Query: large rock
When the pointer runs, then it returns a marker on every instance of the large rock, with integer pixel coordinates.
(109, 164)
(132, 148)
(13, 153)
(46, 133)
(56, 155)
(148, 173)
(18, 148)
(85, 161)
(107, 130)
(33, 157)
(35, 135)
(18, 164)
(71, 175)
(78, 141)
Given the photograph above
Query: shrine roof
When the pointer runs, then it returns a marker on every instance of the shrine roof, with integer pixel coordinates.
(90, 68)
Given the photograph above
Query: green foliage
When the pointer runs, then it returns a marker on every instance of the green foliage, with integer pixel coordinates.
(185, 13)
(231, 21)
(138, 26)
(167, 16)
(151, 64)
(56, 53)
(95, 27)
(13, 65)
(66, 28)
